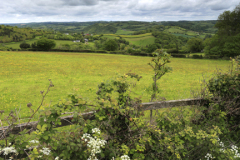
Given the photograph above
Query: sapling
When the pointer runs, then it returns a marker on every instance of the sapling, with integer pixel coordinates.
(158, 63)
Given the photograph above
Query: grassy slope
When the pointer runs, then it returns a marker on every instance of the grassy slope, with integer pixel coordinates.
(141, 39)
(25, 74)
(15, 45)
(123, 32)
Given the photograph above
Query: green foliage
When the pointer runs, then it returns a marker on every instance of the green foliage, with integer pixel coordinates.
(226, 87)
(195, 44)
(100, 28)
(15, 34)
(45, 44)
(151, 48)
(160, 68)
(225, 42)
(111, 45)
(24, 45)
(228, 23)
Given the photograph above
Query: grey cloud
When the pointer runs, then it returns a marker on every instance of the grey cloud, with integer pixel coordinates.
(219, 7)
(81, 2)
(79, 10)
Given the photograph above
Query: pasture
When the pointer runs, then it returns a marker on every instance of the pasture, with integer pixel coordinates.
(140, 40)
(24, 74)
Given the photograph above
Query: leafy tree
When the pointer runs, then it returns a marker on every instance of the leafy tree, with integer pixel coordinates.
(151, 48)
(225, 42)
(111, 45)
(228, 23)
(195, 44)
(24, 45)
(45, 44)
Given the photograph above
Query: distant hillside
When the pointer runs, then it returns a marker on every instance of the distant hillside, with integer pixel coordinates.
(122, 27)
(100, 28)
(15, 34)
(198, 26)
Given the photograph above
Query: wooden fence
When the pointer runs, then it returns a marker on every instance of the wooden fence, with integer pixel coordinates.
(67, 120)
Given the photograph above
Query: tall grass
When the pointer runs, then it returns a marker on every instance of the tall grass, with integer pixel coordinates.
(24, 74)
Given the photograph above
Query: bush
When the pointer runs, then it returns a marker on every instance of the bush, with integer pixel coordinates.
(179, 55)
(173, 50)
(45, 44)
(195, 56)
(24, 45)
(111, 45)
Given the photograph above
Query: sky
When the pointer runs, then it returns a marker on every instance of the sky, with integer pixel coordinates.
(25, 11)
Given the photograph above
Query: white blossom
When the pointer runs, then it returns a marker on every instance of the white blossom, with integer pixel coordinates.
(96, 130)
(8, 150)
(125, 157)
(45, 151)
(208, 156)
(94, 143)
(33, 141)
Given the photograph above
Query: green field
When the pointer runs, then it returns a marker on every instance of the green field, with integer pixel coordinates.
(123, 32)
(140, 40)
(16, 45)
(24, 74)
(176, 30)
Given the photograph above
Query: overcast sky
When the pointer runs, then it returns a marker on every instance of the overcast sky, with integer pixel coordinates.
(23, 11)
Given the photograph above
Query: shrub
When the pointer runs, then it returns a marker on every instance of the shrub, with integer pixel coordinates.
(24, 45)
(178, 55)
(195, 56)
(173, 50)
(45, 44)
(111, 45)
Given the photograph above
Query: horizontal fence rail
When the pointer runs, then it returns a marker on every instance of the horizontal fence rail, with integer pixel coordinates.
(67, 120)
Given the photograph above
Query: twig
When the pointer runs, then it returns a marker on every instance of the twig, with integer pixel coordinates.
(51, 85)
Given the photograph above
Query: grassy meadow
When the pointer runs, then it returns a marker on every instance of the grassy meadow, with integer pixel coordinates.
(24, 74)
(140, 40)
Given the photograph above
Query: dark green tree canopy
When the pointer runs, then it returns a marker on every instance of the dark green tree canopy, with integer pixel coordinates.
(45, 44)
(195, 44)
(226, 41)
(111, 45)
(228, 23)
(24, 45)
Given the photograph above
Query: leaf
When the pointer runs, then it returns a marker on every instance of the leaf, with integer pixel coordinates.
(45, 137)
(85, 130)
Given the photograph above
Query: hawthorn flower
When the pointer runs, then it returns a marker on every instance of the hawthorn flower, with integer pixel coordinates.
(96, 130)
(93, 143)
(125, 157)
(33, 141)
(234, 149)
(208, 156)
(8, 150)
(45, 151)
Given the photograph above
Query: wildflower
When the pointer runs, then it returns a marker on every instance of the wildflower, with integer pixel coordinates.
(235, 151)
(125, 157)
(45, 151)
(94, 144)
(208, 156)
(96, 130)
(33, 141)
(8, 150)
